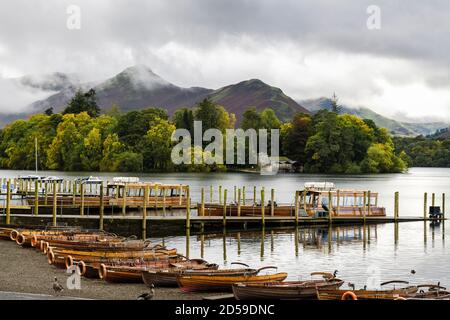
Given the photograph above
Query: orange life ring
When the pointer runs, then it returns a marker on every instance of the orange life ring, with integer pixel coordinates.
(68, 261)
(350, 294)
(82, 267)
(50, 257)
(102, 272)
(34, 241)
(400, 298)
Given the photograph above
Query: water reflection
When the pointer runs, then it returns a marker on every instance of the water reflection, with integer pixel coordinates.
(353, 250)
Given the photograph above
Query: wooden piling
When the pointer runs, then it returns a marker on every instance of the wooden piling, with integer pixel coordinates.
(36, 198)
(164, 201)
(55, 202)
(102, 207)
(211, 191)
(243, 195)
(433, 199)
(188, 208)
(225, 208)
(272, 202)
(144, 208)
(74, 192)
(156, 197)
(443, 205)
(368, 204)
(263, 206)
(202, 203)
(425, 200)
(330, 207)
(239, 203)
(181, 195)
(220, 194)
(234, 194)
(254, 195)
(45, 192)
(296, 207)
(8, 201)
(124, 198)
(82, 199)
(396, 206)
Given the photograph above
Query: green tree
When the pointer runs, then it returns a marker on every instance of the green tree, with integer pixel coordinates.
(83, 102)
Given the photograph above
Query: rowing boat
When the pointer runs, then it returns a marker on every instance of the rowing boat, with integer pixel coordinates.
(286, 290)
(363, 294)
(58, 257)
(217, 281)
(134, 273)
(167, 277)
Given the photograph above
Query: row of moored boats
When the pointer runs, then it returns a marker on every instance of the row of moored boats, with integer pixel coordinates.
(97, 254)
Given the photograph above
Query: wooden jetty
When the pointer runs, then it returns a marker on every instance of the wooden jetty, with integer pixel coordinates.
(91, 202)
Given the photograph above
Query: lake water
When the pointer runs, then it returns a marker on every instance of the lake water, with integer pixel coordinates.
(379, 253)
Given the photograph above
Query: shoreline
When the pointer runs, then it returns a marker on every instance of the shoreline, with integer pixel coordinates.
(26, 271)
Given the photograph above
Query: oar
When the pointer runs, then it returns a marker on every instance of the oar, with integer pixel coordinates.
(264, 268)
(241, 263)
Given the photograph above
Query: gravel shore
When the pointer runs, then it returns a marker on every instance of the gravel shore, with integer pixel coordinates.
(26, 270)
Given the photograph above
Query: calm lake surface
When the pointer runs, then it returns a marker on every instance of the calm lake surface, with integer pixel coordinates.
(362, 255)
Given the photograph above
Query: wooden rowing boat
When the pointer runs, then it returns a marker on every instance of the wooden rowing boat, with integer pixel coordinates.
(286, 290)
(58, 257)
(363, 294)
(214, 281)
(435, 292)
(167, 277)
(134, 273)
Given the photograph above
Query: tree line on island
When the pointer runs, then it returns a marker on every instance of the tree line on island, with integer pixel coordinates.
(83, 139)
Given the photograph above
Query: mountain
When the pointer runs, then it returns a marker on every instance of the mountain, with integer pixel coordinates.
(395, 127)
(238, 97)
(136, 87)
(139, 87)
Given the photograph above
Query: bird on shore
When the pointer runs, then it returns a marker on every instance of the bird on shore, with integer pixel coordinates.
(351, 285)
(148, 295)
(413, 271)
(335, 273)
(57, 287)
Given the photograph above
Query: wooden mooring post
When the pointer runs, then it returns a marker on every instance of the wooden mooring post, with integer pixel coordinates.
(425, 200)
(254, 195)
(433, 199)
(36, 198)
(272, 202)
(239, 203)
(124, 198)
(243, 195)
(296, 207)
(396, 206)
(144, 209)
(225, 208)
(263, 207)
(443, 205)
(102, 207)
(202, 203)
(55, 203)
(220, 194)
(188, 208)
(8, 202)
(82, 199)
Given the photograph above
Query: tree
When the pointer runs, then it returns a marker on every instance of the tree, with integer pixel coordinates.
(213, 116)
(48, 111)
(334, 104)
(157, 145)
(294, 137)
(184, 119)
(251, 119)
(83, 102)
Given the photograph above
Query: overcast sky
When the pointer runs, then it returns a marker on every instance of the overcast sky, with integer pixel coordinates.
(307, 48)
